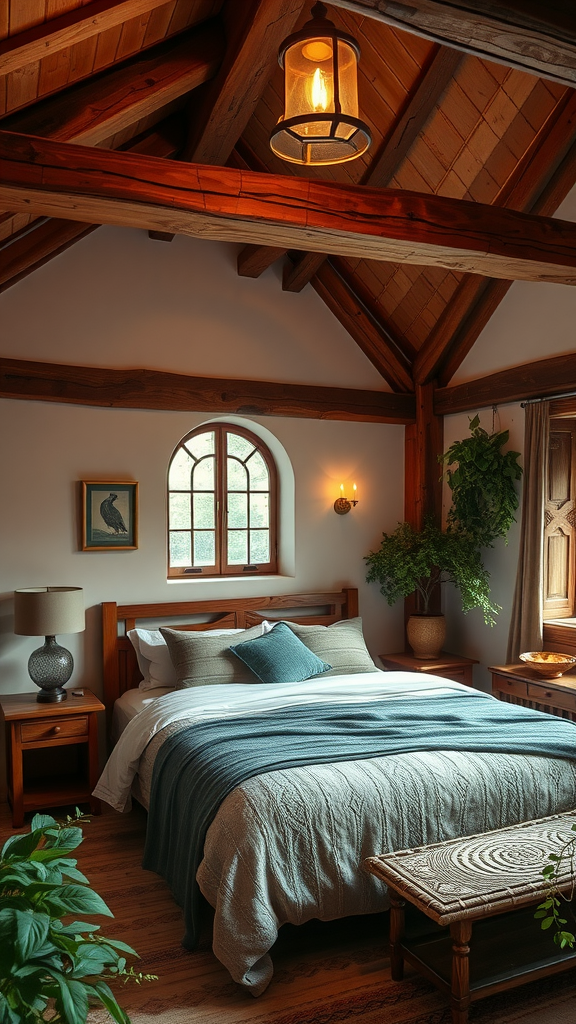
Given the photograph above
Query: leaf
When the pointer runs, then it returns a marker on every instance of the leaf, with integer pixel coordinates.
(31, 932)
(107, 999)
(71, 899)
(122, 946)
(72, 1000)
(41, 821)
(547, 923)
(75, 928)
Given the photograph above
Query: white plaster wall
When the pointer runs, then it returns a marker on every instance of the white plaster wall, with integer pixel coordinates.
(118, 299)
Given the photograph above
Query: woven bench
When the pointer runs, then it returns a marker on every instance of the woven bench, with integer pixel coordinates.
(470, 881)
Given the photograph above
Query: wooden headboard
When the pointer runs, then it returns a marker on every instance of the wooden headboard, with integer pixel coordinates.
(121, 670)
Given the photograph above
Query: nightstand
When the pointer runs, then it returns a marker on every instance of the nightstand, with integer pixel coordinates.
(450, 666)
(41, 772)
(519, 684)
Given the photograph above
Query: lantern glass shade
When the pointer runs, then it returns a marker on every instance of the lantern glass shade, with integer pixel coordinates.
(320, 123)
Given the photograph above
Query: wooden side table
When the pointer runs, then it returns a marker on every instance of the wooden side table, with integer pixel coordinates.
(34, 726)
(518, 684)
(451, 666)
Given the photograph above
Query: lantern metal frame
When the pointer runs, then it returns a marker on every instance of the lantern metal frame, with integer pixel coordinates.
(319, 25)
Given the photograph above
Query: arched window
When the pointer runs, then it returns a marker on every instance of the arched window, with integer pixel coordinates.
(221, 504)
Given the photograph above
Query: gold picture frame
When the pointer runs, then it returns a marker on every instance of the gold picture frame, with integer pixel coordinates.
(109, 515)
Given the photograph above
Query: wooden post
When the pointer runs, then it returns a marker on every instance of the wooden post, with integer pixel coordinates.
(461, 932)
(397, 905)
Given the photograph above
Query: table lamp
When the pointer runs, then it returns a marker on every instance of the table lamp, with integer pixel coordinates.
(47, 611)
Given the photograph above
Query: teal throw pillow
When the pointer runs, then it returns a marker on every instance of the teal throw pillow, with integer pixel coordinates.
(280, 657)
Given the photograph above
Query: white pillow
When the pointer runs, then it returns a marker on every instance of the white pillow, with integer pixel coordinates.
(154, 658)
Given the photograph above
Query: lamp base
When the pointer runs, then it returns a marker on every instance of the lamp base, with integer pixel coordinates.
(50, 667)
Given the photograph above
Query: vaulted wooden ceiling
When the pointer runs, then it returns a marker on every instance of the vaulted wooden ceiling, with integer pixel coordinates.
(473, 114)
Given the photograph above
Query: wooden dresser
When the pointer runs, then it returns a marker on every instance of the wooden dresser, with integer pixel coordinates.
(518, 684)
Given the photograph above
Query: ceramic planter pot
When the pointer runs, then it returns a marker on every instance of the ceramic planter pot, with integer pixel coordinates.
(426, 635)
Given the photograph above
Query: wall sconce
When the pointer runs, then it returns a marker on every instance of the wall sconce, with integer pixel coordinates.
(320, 123)
(343, 505)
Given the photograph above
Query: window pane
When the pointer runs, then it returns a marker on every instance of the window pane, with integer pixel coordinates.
(259, 546)
(204, 511)
(239, 446)
(204, 548)
(258, 470)
(237, 511)
(180, 470)
(259, 511)
(180, 550)
(237, 476)
(201, 444)
(203, 476)
(179, 511)
(237, 547)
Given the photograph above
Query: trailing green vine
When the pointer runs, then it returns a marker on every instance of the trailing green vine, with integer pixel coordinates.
(550, 911)
(484, 498)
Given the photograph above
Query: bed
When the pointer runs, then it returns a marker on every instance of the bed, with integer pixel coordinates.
(287, 844)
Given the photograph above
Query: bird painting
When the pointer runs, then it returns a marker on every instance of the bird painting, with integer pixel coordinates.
(111, 515)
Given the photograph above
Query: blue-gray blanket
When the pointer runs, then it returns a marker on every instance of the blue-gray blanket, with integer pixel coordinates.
(198, 766)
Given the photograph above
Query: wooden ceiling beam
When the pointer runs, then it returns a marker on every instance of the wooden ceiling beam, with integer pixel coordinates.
(27, 250)
(544, 377)
(94, 185)
(93, 112)
(362, 327)
(538, 185)
(258, 29)
(253, 260)
(526, 34)
(153, 389)
(73, 27)
(406, 129)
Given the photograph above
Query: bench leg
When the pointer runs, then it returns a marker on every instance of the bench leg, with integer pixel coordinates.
(461, 932)
(396, 932)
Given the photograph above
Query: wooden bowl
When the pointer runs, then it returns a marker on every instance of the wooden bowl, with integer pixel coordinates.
(548, 664)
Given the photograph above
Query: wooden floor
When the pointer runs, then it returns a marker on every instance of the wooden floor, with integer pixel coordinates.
(333, 973)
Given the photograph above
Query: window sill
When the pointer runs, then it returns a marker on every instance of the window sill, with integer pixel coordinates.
(231, 579)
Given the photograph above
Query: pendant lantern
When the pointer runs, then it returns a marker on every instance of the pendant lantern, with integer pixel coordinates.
(320, 124)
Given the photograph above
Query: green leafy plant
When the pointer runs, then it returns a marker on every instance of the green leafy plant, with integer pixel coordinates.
(550, 911)
(414, 561)
(50, 969)
(484, 498)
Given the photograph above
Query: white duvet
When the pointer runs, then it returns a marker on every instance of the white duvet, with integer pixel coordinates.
(289, 845)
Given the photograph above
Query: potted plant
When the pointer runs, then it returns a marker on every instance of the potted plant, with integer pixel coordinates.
(412, 561)
(50, 968)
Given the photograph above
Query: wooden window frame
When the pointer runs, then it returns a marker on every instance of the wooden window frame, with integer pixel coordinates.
(562, 412)
(222, 568)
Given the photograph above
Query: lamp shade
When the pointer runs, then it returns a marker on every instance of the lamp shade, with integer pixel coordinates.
(46, 611)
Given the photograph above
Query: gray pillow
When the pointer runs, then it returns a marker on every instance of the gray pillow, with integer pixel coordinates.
(341, 645)
(207, 660)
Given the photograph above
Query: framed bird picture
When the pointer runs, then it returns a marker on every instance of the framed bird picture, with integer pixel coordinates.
(109, 515)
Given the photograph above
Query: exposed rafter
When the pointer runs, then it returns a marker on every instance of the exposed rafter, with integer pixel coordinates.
(260, 26)
(74, 182)
(531, 380)
(152, 389)
(526, 34)
(74, 27)
(364, 326)
(538, 185)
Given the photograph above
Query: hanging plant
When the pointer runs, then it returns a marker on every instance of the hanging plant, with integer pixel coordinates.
(484, 497)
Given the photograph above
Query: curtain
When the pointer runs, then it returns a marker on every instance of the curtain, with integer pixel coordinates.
(526, 621)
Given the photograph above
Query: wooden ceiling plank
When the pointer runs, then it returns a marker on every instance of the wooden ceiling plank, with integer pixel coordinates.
(92, 112)
(232, 100)
(76, 182)
(359, 323)
(532, 186)
(153, 389)
(539, 38)
(99, 16)
(552, 376)
(399, 347)
(253, 260)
